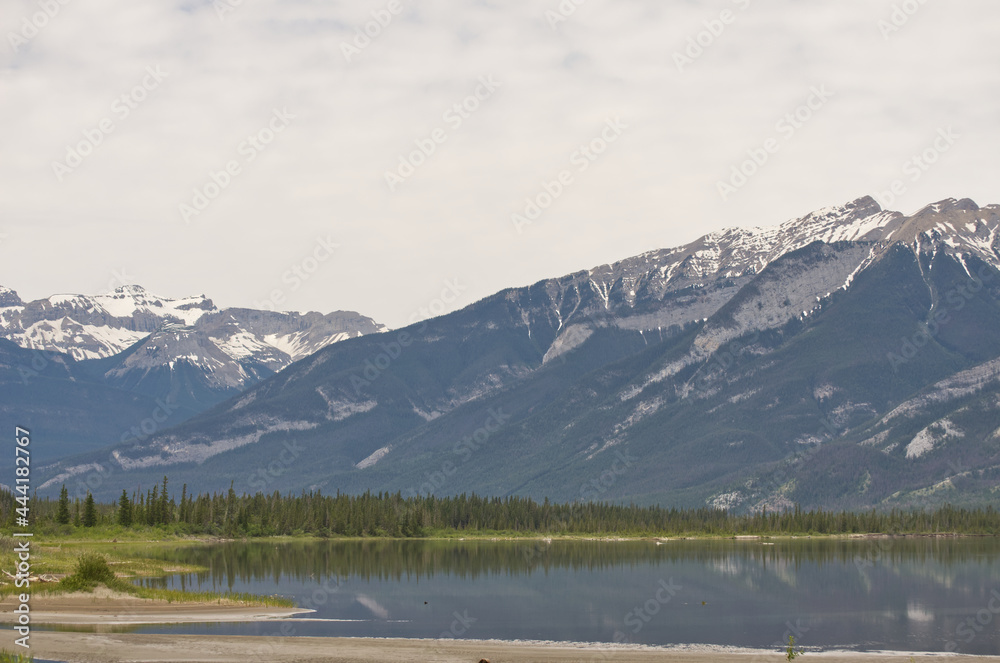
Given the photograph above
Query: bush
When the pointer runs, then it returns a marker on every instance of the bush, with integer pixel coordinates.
(94, 567)
(91, 569)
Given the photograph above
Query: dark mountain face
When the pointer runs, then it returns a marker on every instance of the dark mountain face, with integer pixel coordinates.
(737, 371)
(68, 408)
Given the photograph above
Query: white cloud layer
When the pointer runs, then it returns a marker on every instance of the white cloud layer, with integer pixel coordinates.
(323, 176)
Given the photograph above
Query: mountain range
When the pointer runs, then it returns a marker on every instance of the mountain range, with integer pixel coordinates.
(846, 359)
(153, 360)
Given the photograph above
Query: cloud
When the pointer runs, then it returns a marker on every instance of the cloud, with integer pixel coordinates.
(325, 173)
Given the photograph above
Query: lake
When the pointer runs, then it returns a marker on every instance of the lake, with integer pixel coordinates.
(903, 594)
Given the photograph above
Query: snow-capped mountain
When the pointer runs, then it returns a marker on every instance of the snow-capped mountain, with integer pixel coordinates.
(739, 370)
(96, 326)
(99, 326)
(186, 351)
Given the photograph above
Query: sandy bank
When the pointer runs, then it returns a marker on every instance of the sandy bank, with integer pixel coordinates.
(109, 609)
(114, 648)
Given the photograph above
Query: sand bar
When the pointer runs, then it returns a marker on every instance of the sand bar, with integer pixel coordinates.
(105, 608)
(121, 647)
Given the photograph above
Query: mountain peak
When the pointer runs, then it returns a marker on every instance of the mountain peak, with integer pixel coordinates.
(949, 205)
(8, 297)
(130, 289)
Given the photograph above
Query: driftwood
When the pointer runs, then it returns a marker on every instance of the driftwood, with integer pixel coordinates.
(45, 577)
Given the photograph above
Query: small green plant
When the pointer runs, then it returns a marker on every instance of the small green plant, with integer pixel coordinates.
(8, 657)
(790, 652)
(91, 569)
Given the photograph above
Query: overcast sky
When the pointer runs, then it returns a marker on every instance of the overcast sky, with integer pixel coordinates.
(179, 88)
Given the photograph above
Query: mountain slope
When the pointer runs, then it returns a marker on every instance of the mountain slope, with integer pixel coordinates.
(67, 408)
(729, 372)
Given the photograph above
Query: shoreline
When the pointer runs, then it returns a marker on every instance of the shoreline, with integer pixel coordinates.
(106, 608)
(106, 612)
(46, 540)
(121, 647)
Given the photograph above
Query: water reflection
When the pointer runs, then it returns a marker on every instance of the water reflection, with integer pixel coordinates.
(893, 593)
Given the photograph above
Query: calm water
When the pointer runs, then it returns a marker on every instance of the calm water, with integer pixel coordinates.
(898, 594)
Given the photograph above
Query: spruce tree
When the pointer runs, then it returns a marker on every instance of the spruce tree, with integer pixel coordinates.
(62, 516)
(124, 510)
(89, 511)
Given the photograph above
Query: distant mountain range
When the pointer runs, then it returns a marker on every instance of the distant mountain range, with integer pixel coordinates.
(849, 358)
(172, 358)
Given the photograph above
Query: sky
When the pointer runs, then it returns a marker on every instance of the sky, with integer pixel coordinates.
(392, 157)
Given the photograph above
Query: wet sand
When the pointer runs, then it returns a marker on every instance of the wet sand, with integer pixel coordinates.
(115, 648)
(104, 610)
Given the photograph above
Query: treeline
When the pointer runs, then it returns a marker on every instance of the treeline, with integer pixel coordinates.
(385, 514)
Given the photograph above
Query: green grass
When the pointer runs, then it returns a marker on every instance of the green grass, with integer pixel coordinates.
(92, 570)
(86, 565)
(9, 657)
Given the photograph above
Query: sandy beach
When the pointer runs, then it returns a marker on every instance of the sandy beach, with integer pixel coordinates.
(104, 608)
(107, 612)
(114, 648)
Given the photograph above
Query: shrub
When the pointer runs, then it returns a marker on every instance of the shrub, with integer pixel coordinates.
(91, 569)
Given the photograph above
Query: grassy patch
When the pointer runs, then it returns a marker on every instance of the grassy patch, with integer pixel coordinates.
(86, 565)
(9, 657)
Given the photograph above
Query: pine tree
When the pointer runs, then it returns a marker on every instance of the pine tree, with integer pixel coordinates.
(62, 516)
(163, 512)
(124, 510)
(89, 511)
